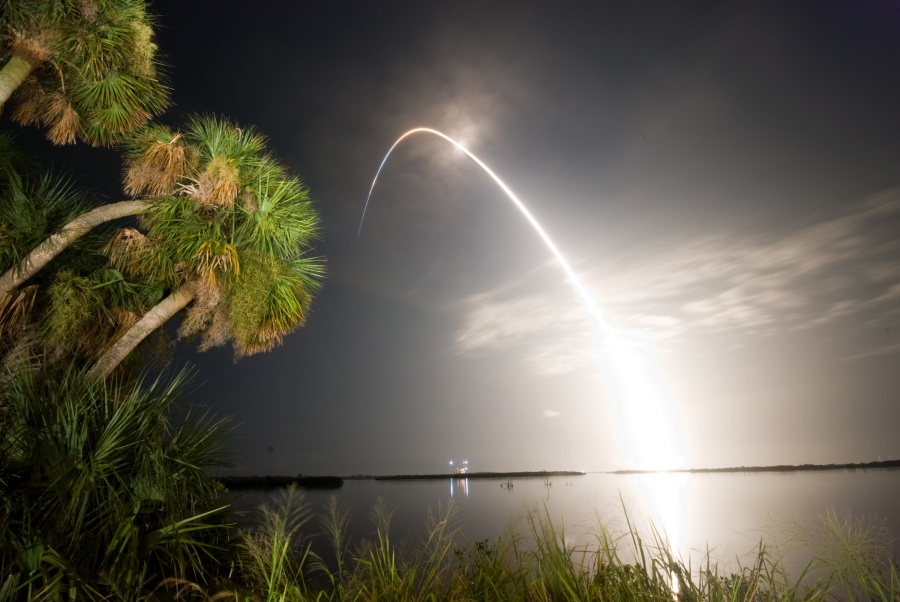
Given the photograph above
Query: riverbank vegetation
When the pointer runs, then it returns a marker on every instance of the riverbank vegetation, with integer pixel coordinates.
(105, 486)
(534, 561)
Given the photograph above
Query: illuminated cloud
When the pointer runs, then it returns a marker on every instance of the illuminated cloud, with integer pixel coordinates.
(551, 329)
(826, 274)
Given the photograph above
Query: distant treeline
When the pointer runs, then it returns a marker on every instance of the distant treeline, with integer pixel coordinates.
(275, 482)
(483, 475)
(777, 468)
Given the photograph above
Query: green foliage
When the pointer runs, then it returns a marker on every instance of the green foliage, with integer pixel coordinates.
(178, 235)
(96, 75)
(222, 214)
(335, 524)
(539, 565)
(269, 298)
(236, 221)
(72, 305)
(855, 555)
(216, 137)
(103, 494)
(273, 554)
(32, 207)
(76, 303)
(283, 220)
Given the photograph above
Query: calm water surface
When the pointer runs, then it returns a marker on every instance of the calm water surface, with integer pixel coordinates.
(727, 514)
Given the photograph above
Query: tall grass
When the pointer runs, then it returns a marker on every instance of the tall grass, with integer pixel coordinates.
(535, 562)
(273, 554)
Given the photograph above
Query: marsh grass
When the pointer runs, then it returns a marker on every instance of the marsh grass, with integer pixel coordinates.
(272, 555)
(854, 556)
(534, 561)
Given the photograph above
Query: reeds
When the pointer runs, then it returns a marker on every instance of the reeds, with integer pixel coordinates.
(536, 562)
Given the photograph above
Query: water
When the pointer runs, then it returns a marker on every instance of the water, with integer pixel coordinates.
(725, 514)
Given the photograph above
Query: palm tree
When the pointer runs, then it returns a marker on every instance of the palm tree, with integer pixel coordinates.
(226, 230)
(83, 69)
(31, 259)
(77, 304)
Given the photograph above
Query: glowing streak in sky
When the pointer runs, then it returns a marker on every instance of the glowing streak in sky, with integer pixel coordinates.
(573, 278)
(647, 413)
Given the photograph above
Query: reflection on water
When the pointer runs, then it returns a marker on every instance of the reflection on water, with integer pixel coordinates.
(664, 497)
(461, 484)
(725, 514)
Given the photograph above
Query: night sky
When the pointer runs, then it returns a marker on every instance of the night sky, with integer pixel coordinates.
(724, 177)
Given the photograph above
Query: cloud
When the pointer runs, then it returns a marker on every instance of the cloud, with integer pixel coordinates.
(551, 414)
(824, 272)
(835, 273)
(491, 322)
(550, 328)
(875, 352)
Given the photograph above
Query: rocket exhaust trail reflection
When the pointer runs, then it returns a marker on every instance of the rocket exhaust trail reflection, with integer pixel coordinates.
(648, 418)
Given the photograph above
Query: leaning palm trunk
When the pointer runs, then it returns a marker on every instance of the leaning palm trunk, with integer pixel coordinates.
(12, 75)
(56, 244)
(152, 320)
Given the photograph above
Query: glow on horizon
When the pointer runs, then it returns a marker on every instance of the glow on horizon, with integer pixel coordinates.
(641, 395)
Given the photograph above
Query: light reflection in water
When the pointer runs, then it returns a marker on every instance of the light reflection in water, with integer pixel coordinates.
(664, 499)
(463, 486)
(664, 496)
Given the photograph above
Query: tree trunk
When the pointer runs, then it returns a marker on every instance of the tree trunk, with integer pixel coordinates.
(151, 320)
(11, 77)
(57, 243)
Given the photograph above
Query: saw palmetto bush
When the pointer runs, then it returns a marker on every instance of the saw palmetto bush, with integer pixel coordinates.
(102, 493)
(83, 69)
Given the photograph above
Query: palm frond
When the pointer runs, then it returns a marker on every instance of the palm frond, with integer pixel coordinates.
(29, 102)
(219, 137)
(283, 221)
(117, 495)
(15, 312)
(32, 209)
(156, 159)
(62, 118)
(99, 56)
(268, 300)
(116, 104)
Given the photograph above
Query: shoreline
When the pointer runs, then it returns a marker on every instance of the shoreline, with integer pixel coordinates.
(235, 482)
(879, 464)
(275, 481)
(481, 475)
